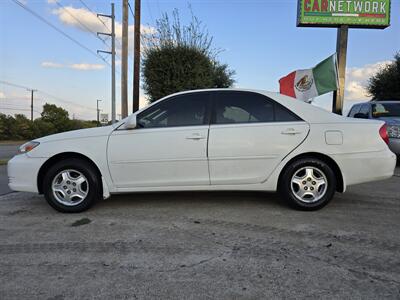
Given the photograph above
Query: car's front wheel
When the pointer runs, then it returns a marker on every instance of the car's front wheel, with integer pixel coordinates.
(71, 185)
(308, 184)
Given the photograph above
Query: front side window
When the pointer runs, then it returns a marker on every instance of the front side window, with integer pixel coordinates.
(247, 107)
(182, 110)
(364, 109)
(354, 110)
(380, 110)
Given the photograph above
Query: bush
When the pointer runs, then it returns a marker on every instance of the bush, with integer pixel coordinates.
(178, 58)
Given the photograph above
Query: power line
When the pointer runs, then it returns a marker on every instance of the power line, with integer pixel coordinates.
(46, 94)
(82, 24)
(19, 109)
(105, 25)
(59, 30)
(130, 8)
(95, 14)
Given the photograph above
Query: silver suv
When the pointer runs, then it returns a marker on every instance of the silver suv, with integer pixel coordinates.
(388, 111)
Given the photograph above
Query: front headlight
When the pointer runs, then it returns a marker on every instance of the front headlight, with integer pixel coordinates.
(394, 131)
(25, 148)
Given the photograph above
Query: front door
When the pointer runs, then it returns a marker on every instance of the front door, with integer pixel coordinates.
(169, 147)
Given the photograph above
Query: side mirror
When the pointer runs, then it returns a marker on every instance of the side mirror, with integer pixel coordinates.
(131, 122)
(361, 116)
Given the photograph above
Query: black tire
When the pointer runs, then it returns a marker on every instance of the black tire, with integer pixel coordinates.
(93, 185)
(289, 194)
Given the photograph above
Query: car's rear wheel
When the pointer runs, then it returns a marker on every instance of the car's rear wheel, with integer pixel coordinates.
(308, 184)
(71, 185)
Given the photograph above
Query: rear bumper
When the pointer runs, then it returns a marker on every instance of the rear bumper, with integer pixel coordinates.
(22, 173)
(365, 167)
(394, 145)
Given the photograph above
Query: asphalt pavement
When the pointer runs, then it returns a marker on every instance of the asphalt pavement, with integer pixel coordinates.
(4, 181)
(203, 246)
(7, 151)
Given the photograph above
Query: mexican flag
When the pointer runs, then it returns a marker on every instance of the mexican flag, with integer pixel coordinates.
(307, 84)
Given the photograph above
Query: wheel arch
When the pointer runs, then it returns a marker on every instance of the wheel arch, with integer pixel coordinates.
(60, 156)
(325, 158)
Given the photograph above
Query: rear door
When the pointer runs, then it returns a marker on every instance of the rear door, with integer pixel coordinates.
(249, 135)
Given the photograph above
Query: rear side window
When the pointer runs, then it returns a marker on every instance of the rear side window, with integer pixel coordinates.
(247, 107)
(236, 107)
(282, 114)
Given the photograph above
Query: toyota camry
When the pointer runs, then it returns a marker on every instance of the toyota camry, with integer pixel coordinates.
(217, 139)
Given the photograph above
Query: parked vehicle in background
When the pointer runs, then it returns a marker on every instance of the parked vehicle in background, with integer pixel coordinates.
(387, 111)
(217, 139)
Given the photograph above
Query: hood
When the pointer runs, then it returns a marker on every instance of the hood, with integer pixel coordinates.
(77, 134)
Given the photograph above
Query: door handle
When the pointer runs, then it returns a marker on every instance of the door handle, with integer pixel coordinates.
(291, 131)
(195, 136)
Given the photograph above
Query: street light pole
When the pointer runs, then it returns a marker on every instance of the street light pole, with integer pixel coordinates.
(32, 91)
(112, 52)
(136, 63)
(98, 113)
(124, 60)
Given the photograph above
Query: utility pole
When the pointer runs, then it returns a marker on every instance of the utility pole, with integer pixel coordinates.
(124, 60)
(112, 52)
(98, 113)
(32, 91)
(341, 49)
(136, 64)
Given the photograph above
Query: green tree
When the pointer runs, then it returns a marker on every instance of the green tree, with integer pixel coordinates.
(181, 57)
(22, 129)
(42, 128)
(6, 127)
(385, 84)
(56, 116)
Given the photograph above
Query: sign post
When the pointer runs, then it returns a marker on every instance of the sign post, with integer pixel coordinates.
(341, 51)
(343, 14)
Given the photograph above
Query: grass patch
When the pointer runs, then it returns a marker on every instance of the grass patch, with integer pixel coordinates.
(81, 222)
(11, 142)
(3, 162)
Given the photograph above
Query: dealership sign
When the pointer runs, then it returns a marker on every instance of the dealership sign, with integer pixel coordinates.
(333, 13)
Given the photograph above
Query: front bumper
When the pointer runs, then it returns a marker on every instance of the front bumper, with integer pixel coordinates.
(23, 172)
(394, 145)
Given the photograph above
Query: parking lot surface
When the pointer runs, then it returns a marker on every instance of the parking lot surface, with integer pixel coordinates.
(226, 245)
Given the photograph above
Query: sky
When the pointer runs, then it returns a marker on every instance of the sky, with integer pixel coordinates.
(258, 39)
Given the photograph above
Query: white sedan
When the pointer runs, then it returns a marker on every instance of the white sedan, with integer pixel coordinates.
(217, 139)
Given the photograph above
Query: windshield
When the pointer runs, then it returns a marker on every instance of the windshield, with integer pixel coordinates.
(386, 110)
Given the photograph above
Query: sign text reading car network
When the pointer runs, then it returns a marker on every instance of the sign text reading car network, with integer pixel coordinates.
(333, 13)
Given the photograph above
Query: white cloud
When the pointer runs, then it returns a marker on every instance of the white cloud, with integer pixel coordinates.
(76, 66)
(85, 20)
(49, 64)
(2, 95)
(357, 79)
(51, 1)
(86, 67)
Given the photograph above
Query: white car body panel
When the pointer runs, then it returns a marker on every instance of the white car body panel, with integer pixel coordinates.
(241, 153)
(175, 156)
(215, 157)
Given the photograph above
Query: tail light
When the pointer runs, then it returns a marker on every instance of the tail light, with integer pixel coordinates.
(384, 134)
